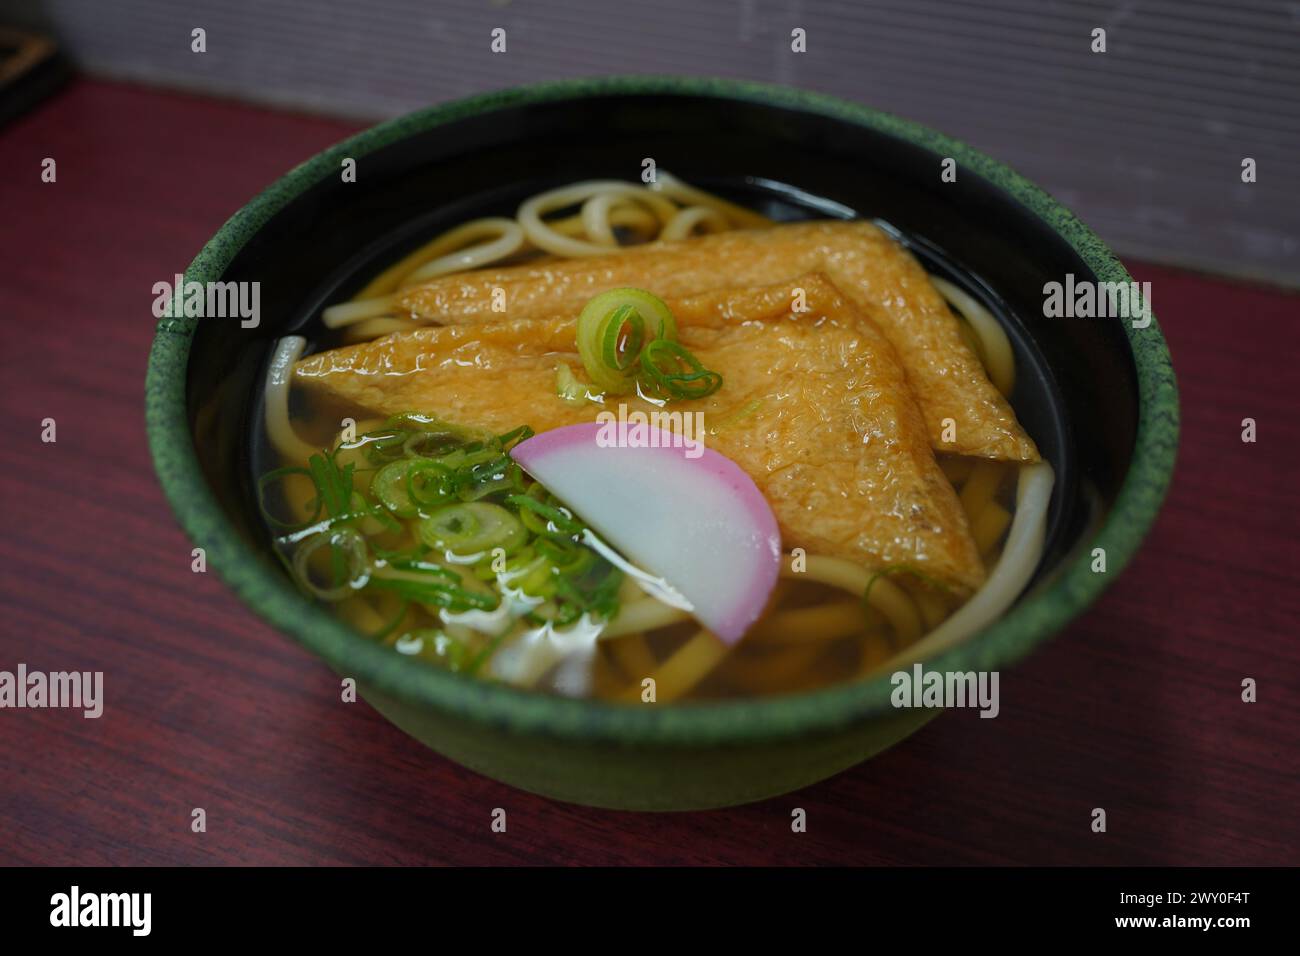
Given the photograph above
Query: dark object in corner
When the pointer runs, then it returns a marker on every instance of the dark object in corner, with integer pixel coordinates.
(31, 68)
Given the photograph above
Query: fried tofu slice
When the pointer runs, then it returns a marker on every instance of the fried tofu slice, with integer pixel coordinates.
(814, 407)
(881, 277)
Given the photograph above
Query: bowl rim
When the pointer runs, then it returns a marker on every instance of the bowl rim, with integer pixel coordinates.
(1034, 619)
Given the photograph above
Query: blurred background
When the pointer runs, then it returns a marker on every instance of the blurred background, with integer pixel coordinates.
(1145, 141)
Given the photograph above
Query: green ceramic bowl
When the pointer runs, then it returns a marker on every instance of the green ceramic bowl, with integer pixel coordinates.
(1098, 396)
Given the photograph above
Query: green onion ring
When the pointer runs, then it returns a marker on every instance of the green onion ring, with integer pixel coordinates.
(599, 330)
(672, 369)
(611, 334)
(434, 490)
(344, 543)
(559, 522)
(471, 528)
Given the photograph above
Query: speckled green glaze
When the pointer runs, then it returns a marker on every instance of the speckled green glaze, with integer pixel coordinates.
(652, 757)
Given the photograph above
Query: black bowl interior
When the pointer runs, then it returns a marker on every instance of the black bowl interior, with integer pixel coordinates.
(1076, 389)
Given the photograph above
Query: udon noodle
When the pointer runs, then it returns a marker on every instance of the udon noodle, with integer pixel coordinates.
(829, 619)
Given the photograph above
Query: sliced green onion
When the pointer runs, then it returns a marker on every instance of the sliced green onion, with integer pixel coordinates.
(277, 475)
(333, 484)
(569, 558)
(428, 568)
(595, 591)
(558, 521)
(568, 388)
(397, 556)
(536, 578)
(373, 517)
(472, 528)
(409, 485)
(514, 437)
(384, 446)
(673, 370)
(532, 521)
(628, 337)
(414, 435)
(476, 453)
(622, 336)
(435, 591)
(471, 476)
(612, 329)
(428, 482)
(459, 493)
(429, 444)
(389, 486)
(509, 477)
(349, 563)
(420, 422)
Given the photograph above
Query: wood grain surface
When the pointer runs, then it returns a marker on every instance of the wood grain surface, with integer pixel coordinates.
(1135, 708)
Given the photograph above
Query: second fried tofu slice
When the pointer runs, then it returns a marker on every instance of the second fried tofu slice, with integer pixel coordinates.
(963, 412)
(814, 406)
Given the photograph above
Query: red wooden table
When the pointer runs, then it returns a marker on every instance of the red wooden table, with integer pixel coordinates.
(1135, 708)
